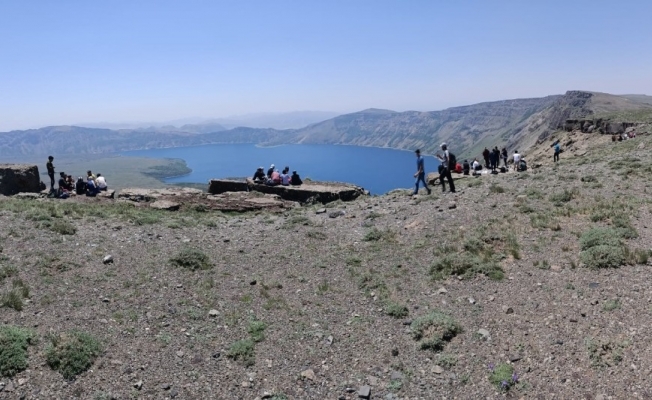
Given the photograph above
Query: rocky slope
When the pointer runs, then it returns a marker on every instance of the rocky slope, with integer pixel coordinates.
(494, 292)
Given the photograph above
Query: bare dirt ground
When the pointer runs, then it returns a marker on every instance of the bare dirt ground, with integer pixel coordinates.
(423, 297)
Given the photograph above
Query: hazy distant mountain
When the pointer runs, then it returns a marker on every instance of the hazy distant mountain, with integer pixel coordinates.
(290, 120)
(513, 123)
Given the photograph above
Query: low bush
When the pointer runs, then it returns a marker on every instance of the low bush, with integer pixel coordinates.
(243, 350)
(13, 349)
(72, 353)
(503, 376)
(434, 330)
(62, 227)
(395, 309)
(191, 259)
(256, 330)
(465, 265)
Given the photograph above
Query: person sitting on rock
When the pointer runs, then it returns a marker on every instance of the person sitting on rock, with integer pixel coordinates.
(80, 186)
(270, 171)
(285, 178)
(476, 165)
(295, 179)
(259, 175)
(89, 175)
(70, 182)
(91, 187)
(275, 179)
(466, 167)
(100, 182)
(63, 191)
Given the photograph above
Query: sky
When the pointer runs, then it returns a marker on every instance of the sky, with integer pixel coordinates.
(68, 61)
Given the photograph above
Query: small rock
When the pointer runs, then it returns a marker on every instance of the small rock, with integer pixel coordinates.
(452, 205)
(593, 285)
(165, 205)
(373, 381)
(508, 310)
(555, 268)
(103, 321)
(108, 259)
(213, 313)
(471, 300)
(594, 302)
(309, 374)
(484, 333)
(138, 385)
(22, 381)
(442, 291)
(9, 387)
(245, 384)
(105, 300)
(491, 298)
(364, 392)
(166, 386)
(395, 352)
(437, 369)
(320, 211)
(396, 375)
(253, 282)
(180, 353)
(335, 214)
(329, 340)
(216, 355)
(514, 357)
(174, 393)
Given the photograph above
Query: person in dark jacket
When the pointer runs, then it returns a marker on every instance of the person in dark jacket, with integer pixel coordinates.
(466, 167)
(504, 155)
(259, 175)
(295, 179)
(270, 171)
(485, 155)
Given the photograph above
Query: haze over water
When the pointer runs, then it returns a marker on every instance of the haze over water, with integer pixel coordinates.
(378, 170)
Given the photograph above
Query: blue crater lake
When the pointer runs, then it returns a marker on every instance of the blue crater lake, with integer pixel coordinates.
(378, 170)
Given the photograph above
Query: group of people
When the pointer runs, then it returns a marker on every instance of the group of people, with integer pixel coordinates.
(274, 178)
(448, 164)
(90, 186)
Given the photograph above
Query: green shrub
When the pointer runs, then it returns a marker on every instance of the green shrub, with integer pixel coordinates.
(602, 256)
(242, 350)
(72, 353)
(7, 271)
(63, 227)
(191, 259)
(466, 265)
(13, 349)
(610, 305)
(496, 189)
(563, 197)
(256, 330)
(375, 235)
(395, 309)
(12, 299)
(502, 376)
(599, 237)
(589, 178)
(434, 330)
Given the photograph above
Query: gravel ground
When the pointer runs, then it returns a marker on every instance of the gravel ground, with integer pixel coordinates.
(336, 292)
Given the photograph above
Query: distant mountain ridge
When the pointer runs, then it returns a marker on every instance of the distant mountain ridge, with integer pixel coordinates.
(468, 129)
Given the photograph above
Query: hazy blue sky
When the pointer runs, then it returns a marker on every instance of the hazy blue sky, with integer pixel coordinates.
(65, 62)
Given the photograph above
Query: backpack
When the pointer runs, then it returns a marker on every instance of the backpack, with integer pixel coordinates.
(557, 148)
(452, 161)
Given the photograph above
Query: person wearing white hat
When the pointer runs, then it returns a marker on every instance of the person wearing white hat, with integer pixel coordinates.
(270, 171)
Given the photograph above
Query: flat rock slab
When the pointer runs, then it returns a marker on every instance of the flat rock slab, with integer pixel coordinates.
(308, 192)
(138, 194)
(109, 194)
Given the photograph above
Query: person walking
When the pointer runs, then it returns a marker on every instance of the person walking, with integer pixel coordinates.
(448, 162)
(555, 157)
(420, 174)
(50, 167)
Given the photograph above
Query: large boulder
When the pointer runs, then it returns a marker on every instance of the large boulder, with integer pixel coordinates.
(219, 186)
(16, 178)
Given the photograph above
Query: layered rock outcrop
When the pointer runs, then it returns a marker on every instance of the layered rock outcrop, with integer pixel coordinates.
(17, 178)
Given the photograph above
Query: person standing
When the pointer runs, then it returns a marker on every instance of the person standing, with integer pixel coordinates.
(555, 157)
(486, 154)
(517, 159)
(504, 155)
(420, 174)
(50, 167)
(448, 162)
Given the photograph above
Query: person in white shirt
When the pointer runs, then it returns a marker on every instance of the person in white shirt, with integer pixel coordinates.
(517, 158)
(101, 183)
(285, 178)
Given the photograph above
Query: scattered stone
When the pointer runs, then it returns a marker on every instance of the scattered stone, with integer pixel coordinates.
(320, 211)
(471, 300)
(138, 385)
(593, 285)
(253, 282)
(329, 339)
(22, 381)
(9, 387)
(514, 357)
(174, 393)
(309, 374)
(166, 386)
(437, 369)
(508, 310)
(555, 268)
(180, 353)
(213, 313)
(105, 300)
(573, 320)
(364, 392)
(491, 298)
(373, 381)
(484, 333)
(594, 302)
(165, 205)
(216, 355)
(396, 375)
(442, 291)
(335, 214)
(395, 352)
(108, 259)
(452, 205)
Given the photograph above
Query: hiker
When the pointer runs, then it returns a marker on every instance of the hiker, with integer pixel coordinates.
(100, 182)
(476, 165)
(50, 167)
(275, 179)
(91, 187)
(62, 191)
(448, 162)
(555, 157)
(80, 186)
(285, 178)
(466, 167)
(517, 158)
(69, 182)
(522, 165)
(420, 174)
(504, 155)
(259, 175)
(486, 155)
(295, 179)
(270, 171)
(89, 175)
(493, 158)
